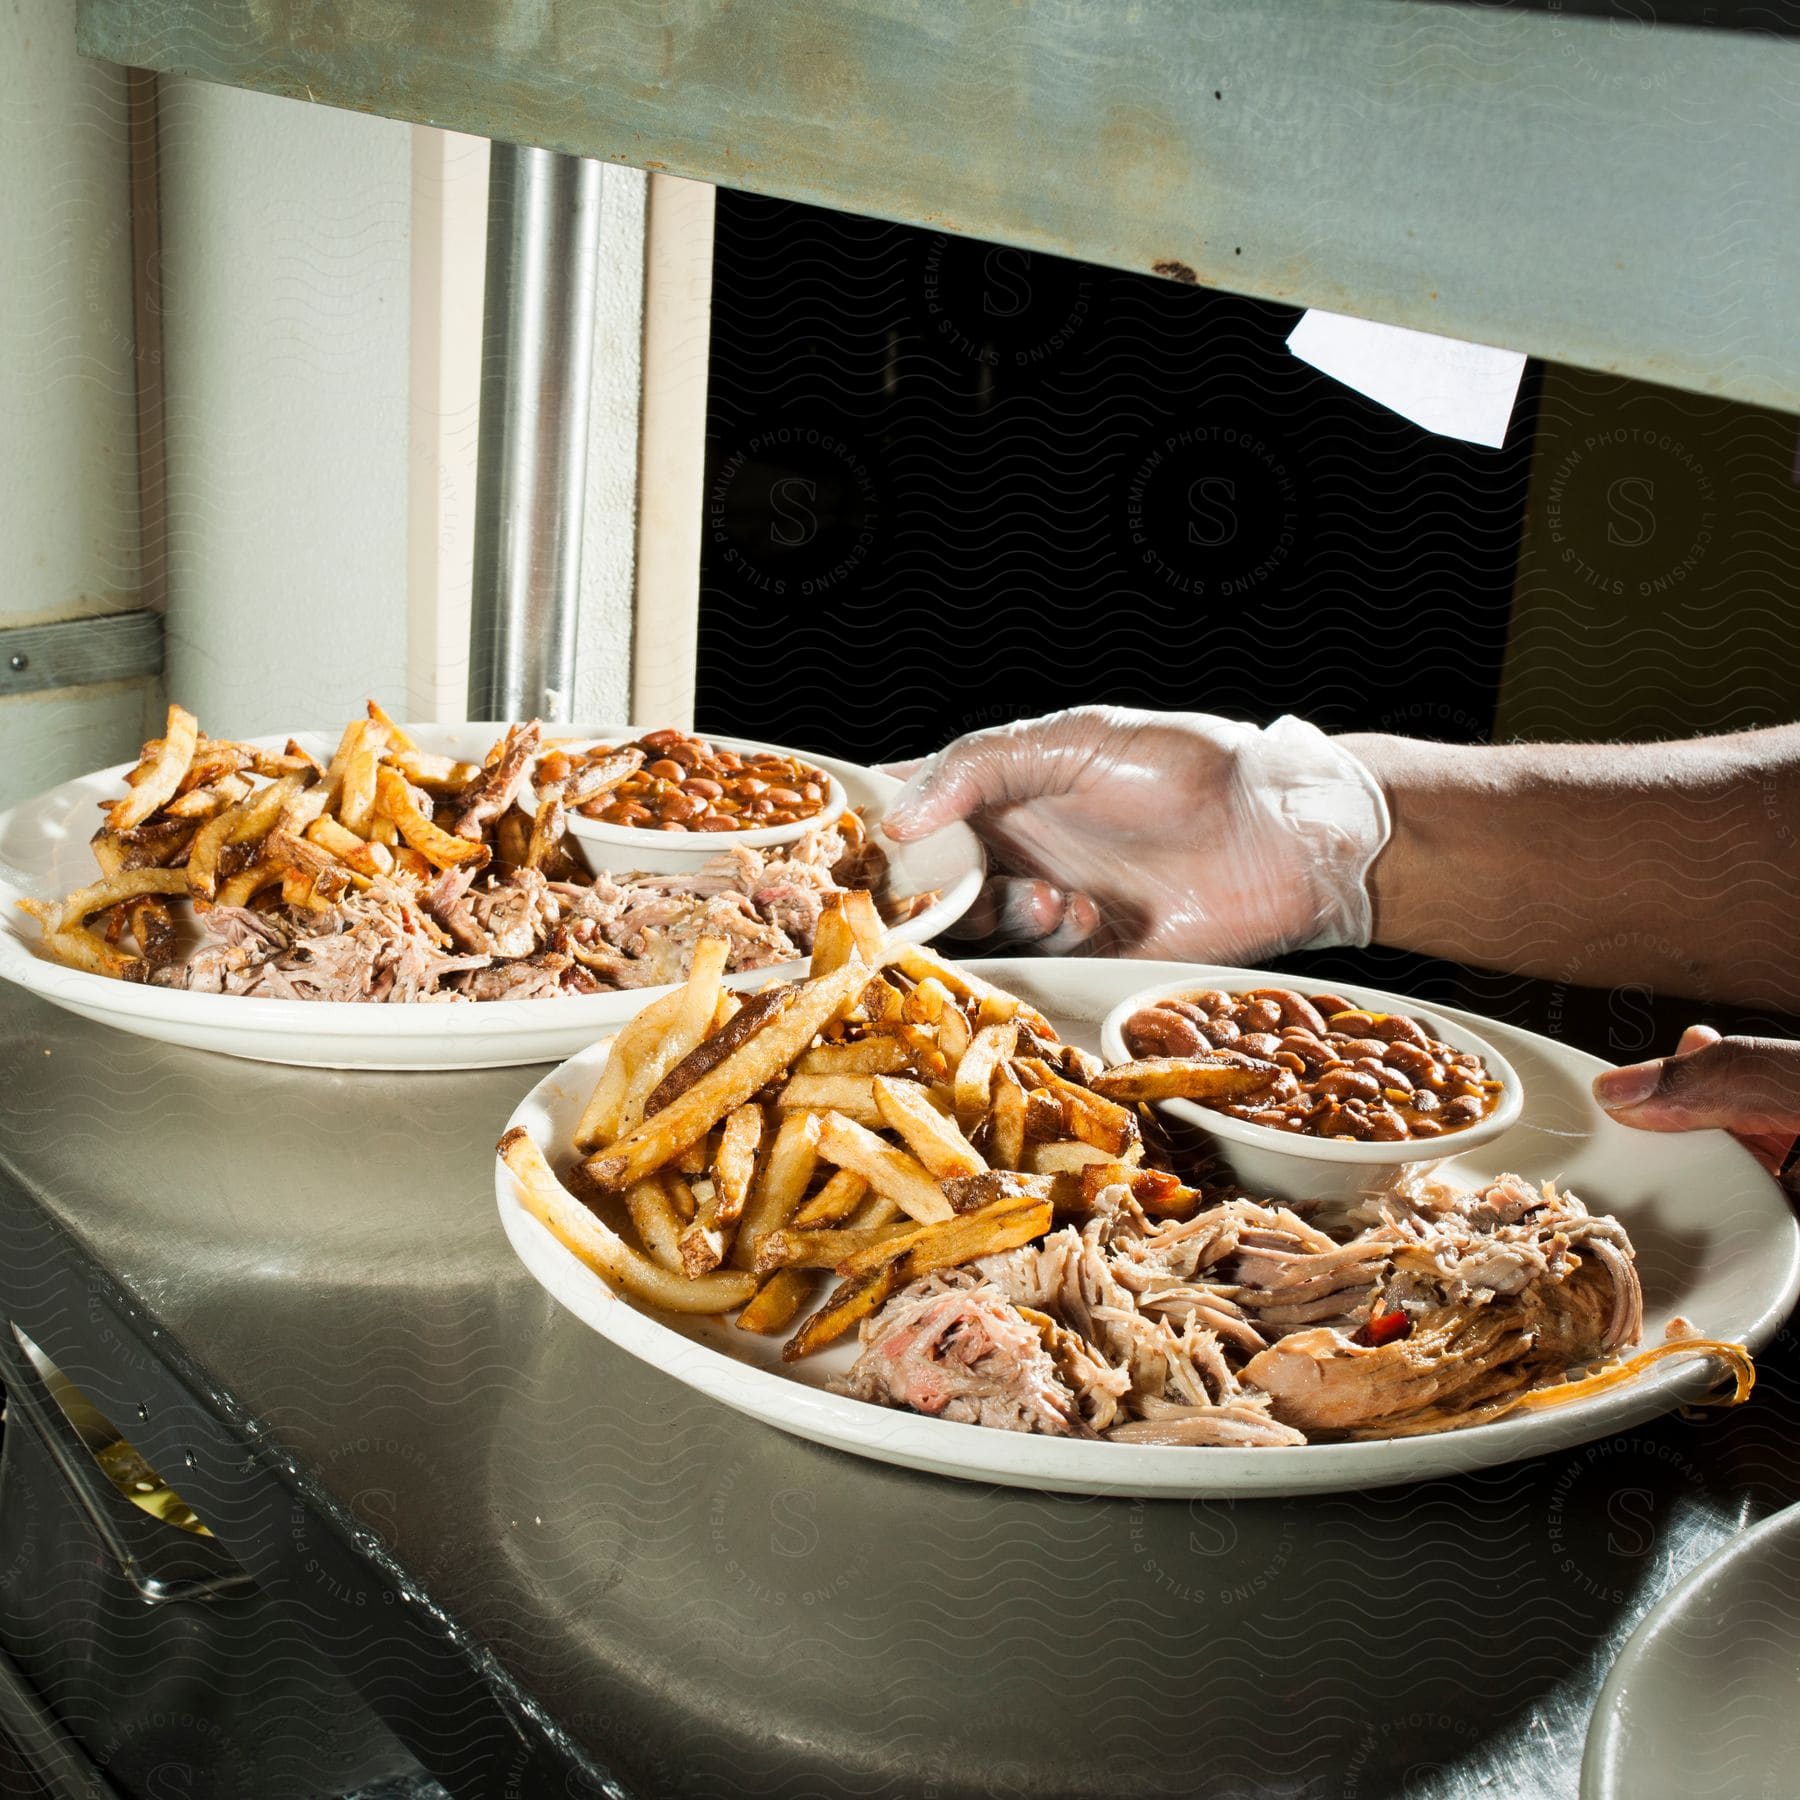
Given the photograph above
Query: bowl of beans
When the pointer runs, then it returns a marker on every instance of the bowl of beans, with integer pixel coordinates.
(1312, 1091)
(668, 800)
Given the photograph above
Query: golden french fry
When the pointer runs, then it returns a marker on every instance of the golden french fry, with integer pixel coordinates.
(922, 1049)
(356, 798)
(666, 1133)
(298, 889)
(866, 1056)
(602, 1249)
(920, 963)
(657, 1222)
(214, 759)
(780, 1183)
(792, 1249)
(109, 851)
(1222, 1075)
(748, 1018)
(734, 1166)
(990, 1046)
(851, 1095)
(936, 1141)
(872, 1209)
(547, 828)
(273, 764)
(1071, 1155)
(512, 837)
(834, 1202)
(343, 843)
(599, 1122)
(777, 1302)
(954, 1035)
(892, 1172)
(83, 949)
(1006, 1130)
(704, 1243)
(153, 846)
(681, 1196)
(349, 742)
(1003, 1224)
(157, 780)
(834, 943)
(437, 775)
(396, 738)
(866, 926)
(203, 803)
(437, 846)
(687, 1025)
(848, 1306)
(925, 1004)
(1045, 1118)
(243, 887)
(128, 884)
(1086, 1115)
(882, 1006)
(248, 822)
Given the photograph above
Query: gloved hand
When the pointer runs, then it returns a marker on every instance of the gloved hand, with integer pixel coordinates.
(1150, 834)
(1747, 1086)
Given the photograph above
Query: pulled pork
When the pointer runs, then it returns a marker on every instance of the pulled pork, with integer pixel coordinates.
(514, 935)
(1246, 1325)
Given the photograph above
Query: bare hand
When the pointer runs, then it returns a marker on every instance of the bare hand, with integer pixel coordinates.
(1747, 1086)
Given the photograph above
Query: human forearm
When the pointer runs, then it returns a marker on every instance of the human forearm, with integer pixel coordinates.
(1675, 864)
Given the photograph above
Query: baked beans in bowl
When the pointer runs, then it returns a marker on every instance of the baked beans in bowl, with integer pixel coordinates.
(669, 799)
(1311, 1090)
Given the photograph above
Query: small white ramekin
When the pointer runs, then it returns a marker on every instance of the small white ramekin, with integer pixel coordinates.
(1290, 1165)
(618, 848)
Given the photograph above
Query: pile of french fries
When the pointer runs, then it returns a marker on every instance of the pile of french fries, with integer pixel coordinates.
(194, 824)
(887, 1116)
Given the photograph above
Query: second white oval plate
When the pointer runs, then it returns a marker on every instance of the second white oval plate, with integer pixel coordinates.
(44, 854)
(1701, 1699)
(1716, 1242)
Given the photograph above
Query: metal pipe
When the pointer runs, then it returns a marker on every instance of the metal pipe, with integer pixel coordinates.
(537, 357)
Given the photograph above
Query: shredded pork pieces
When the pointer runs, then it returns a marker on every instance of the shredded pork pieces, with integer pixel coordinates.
(514, 935)
(1246, 1325)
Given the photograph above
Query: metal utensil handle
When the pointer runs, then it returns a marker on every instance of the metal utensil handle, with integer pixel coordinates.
(31, 1400)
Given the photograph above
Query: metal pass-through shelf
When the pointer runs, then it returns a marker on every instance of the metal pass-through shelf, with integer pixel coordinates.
(1595, 190)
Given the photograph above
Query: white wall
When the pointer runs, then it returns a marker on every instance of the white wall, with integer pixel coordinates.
(68, 384)
(286, 261)
(321, 291)
(603, 639)
(324, 291)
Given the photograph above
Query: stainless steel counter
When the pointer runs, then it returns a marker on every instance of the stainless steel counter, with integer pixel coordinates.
(491, 1512)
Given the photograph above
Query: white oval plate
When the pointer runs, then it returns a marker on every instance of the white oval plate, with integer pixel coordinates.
(1701, 1700)
(1715, 1239)
(44, 854)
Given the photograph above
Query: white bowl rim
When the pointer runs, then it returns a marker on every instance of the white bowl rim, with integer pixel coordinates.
(1316, 1149)
(638, 837)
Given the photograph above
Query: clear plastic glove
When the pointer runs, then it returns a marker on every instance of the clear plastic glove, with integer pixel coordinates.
(1747, 1086)
(1158, 834)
